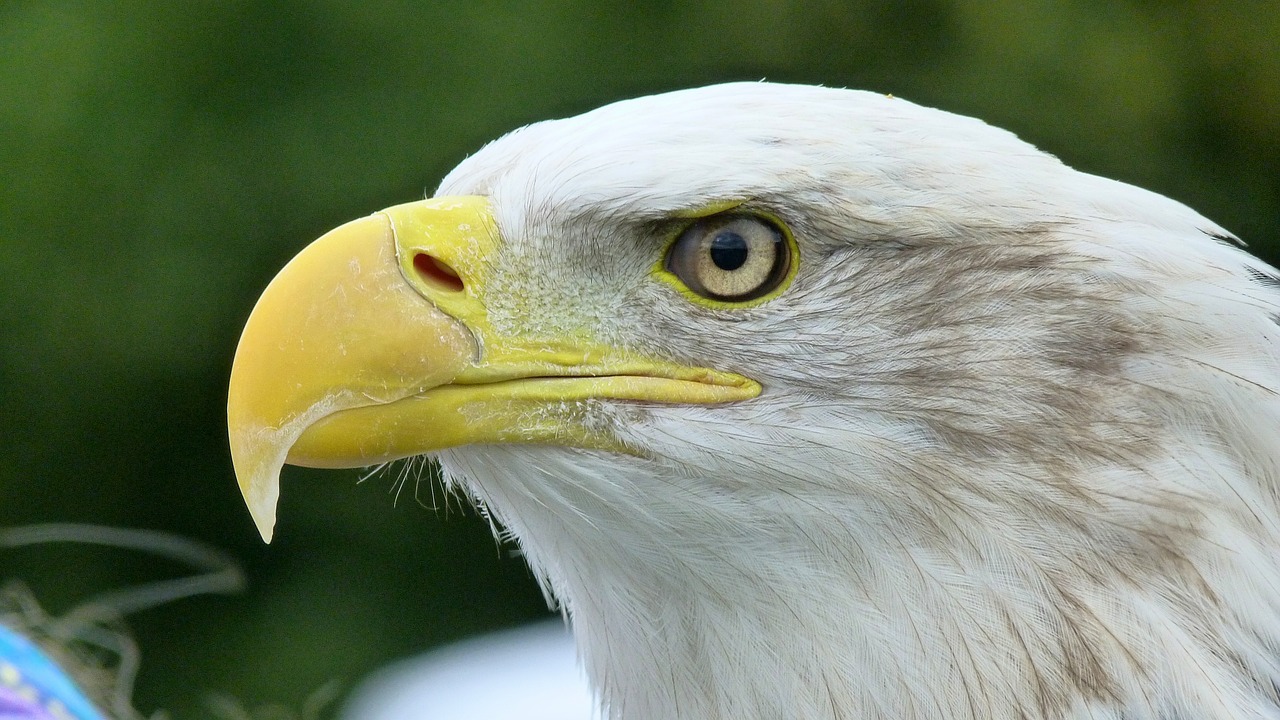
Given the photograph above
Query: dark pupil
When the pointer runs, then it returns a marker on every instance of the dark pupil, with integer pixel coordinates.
(728, 250)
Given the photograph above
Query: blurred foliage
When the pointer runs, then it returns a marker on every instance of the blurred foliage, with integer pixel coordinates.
(162, 160)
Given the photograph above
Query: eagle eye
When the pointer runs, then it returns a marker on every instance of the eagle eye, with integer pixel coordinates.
(731, 257)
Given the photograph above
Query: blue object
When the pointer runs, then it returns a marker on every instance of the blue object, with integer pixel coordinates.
(32, 687)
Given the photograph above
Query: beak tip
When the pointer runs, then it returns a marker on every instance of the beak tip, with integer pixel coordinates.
(267, 530)
(263, 510)
(257, 457)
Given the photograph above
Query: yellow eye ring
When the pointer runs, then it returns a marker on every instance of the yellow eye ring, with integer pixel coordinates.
(731, 259)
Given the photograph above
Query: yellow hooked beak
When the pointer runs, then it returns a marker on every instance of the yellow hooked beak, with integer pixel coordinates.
(374, 344)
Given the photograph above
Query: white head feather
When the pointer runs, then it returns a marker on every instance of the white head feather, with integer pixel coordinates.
(1017, 452)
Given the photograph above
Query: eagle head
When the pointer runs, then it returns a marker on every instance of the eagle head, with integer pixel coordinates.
(806, 402)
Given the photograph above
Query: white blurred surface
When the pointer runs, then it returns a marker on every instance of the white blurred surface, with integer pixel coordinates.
(530, 673)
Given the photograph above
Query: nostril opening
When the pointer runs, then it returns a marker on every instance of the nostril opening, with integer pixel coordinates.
(437, 273)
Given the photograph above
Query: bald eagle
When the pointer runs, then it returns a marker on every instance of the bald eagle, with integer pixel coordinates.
(816, 403)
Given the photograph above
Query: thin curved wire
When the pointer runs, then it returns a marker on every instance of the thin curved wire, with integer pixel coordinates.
(89, 622)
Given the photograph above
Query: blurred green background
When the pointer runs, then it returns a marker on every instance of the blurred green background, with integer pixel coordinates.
(162, 160)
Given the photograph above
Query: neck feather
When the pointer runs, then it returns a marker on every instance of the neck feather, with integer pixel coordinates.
(692, 599)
